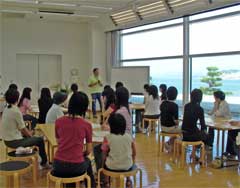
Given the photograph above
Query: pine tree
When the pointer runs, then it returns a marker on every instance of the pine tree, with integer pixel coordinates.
(213, 80)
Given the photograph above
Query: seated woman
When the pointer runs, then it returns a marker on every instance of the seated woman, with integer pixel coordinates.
(220, 109)
(25, 106)
(152, 106)
(70, 160)
(118, 148)
(109, 100)
(169, 115)
(122, 107)
(192, 113)
(14, 132)
(55, 111)
(44, 104)
(140, 112)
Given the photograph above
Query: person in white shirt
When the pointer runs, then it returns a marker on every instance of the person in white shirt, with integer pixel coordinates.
(55, 111)
(152, 105)
(220, 109)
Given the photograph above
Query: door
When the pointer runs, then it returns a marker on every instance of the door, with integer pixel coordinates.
(27, 73)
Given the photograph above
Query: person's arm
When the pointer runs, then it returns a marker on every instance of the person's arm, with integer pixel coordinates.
(214, 109)
(21, 125)
(26, 132)
(105, 150)
(202, 119)
(176, 114)
(91, 83)
(107, 112)
(100, 82)
(134, 151)
(88, 140)
(223, 110)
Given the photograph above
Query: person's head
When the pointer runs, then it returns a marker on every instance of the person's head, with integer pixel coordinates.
(74, 88)
(122, 97)
(109, 97)
(118, 84)
(153, 90)
(163, 88)
(78, 104)
(196, 96)
(146, 87)
(11, 96)
(172, 93)
(26, 94)
(219, 96)
(59, 97)
(13, 86)
(96, 72)
(106, 87)
(117, 124)
(45, 93)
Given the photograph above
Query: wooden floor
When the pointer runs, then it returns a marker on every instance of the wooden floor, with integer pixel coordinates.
(160, 171)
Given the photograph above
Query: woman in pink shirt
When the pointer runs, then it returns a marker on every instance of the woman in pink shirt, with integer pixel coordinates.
(25, 106)
(70, 159)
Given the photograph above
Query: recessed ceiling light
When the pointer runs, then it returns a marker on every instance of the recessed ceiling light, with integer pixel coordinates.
(17, 11)
(22, 1)
(83, 15)
(58, 4)
(95, 7)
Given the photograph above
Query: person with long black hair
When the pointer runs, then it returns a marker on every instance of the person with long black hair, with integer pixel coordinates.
(44, 104)
(25, 106)
(15, 134)
(163, 90)
(72, 130)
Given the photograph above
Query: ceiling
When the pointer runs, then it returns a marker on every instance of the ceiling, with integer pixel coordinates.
(118, 12)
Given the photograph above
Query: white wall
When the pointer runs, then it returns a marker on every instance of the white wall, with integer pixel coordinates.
(98, 48)
(70, 40)
(0, 53)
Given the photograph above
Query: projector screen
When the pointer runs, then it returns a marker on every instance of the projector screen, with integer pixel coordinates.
(133, 78)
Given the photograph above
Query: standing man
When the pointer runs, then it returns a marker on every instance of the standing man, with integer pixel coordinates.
(95, 85)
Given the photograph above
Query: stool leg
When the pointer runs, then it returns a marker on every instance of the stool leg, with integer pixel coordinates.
(8, 182)
(183, 156)
(77, 184)
(89, 182)
(159, 144)
(58, 184)
(140, 177)
(135, 181)
(163, 141)
(48, 181)
(34, 169)
(16, 180)
(121, 179)
(202, 157)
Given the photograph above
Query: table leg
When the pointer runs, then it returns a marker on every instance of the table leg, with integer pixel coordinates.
(223, 141)
(218, 135)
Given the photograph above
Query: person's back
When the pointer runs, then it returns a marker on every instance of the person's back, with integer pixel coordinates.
(44, 105)
(152, 106)
(169, 113)
(12, 123)
(126, 114)
(70, 134)
(53, 114)
(25, 106)
(192, 113)
(120, 151)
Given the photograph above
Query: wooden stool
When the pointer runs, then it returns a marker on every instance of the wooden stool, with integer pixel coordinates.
(151, 123)
(121, 175)
(14, 169)
(162, 141)
(29, 157)
(58, 181)
(185, 144)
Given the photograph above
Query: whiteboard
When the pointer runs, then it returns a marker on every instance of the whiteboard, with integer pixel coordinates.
(133, 78)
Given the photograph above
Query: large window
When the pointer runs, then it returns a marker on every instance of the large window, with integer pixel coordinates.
(214, 51)
(223, 68)
(155, 43)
